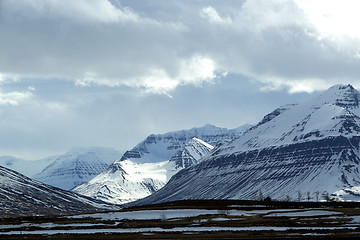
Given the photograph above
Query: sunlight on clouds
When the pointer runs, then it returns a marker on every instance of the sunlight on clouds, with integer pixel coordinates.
(333, 16)
(336, 22)
(309, 45)
(212, 16)
(89, 77)
(6, 78)
(195, 71)
(295, 85)
(92, 78)
(80, 10)
(157, 81)
(260, 15)
(14, 98)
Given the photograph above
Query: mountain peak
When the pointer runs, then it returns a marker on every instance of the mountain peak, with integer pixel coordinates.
(345, 96)
(208, 125)
(87, 149)
(77, 166)
(342, 86)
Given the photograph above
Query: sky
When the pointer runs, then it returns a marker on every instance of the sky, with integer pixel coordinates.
(111, 72)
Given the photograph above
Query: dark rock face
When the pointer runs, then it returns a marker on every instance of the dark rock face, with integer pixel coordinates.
(183, 159)
(131, 154)
(350, 97)
(191, 153)
(276, 171)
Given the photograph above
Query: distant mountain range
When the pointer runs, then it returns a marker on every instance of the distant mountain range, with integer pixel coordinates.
(65, 171)
(28, 168)
(150, 164)
(77, 166)
(145, 169)
(298, 150)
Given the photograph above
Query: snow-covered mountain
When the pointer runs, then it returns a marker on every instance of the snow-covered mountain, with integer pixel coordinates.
(22, 196)
(309, 147)
(77, 166)
(161, 147)
(28, 168)
(128, 180)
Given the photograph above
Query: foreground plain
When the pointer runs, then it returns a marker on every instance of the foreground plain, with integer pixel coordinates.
(197, 219)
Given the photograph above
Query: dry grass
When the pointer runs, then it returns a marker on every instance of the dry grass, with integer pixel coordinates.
(221, 219)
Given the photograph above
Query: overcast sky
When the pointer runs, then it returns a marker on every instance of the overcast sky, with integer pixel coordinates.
(110, 72)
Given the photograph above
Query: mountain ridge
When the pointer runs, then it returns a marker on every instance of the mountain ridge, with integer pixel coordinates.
(147, 150)
(310, 147)
(126, 180)
(151, 165)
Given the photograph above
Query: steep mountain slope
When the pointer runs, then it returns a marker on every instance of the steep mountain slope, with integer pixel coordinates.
(127, 181)
(77, 166)
(22, 196)
(28, 168)
(310, 147)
